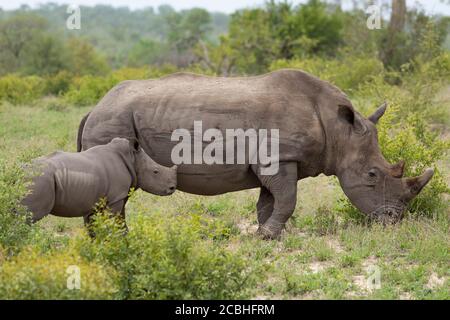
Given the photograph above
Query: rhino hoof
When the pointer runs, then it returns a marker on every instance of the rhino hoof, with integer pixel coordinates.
(268, 233)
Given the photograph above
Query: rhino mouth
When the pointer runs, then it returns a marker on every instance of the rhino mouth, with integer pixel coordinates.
(388, 214)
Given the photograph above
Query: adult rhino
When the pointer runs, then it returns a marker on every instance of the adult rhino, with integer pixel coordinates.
(319, 132)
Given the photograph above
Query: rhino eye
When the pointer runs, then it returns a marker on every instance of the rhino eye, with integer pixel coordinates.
(155, 171)
(372, 173)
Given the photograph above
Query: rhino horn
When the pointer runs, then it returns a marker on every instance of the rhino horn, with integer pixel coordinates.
(416, 184)
(378, 113)
(397, 169)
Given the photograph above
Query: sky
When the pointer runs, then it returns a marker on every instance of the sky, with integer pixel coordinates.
(227, 6)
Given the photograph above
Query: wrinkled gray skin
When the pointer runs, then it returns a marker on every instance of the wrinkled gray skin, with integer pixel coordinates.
(70, 184)
(320, 132)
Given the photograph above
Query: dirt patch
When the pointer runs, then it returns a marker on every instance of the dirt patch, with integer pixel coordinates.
(435, 281)
(370, 261)
(246, 227)
(405, 296)
(335, 245)
(319, 266)
(371, 280)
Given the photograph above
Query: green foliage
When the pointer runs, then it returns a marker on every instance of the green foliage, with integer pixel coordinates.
(398, 47)
(147, 51)
(168, 258)
(348, 73)
(14, 232)
(84, 60)
(259, 36)
(20, 90)
(421, 148)
(59, 83)
(46, 55)
(88, 90)
(187, 28)
(18, 34)
(34, 275)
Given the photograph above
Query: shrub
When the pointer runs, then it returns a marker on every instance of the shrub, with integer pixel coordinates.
(412, 141)
(168, 258)
(14, 232)
(347, 73)
(88, 90)
(59, 83)
(33, 275)
(20, 90)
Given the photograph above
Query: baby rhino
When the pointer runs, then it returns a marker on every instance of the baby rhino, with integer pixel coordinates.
(70, 184)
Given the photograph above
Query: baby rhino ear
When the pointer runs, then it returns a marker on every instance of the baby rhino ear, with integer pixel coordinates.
(134, 144)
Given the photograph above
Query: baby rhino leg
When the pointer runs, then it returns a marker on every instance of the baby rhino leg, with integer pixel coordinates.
(41, 197)
(117, 210)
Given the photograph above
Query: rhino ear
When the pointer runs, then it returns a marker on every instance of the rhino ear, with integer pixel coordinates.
(378, 113)
(346, 114)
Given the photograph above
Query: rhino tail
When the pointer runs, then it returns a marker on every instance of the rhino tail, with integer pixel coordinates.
(80, 132)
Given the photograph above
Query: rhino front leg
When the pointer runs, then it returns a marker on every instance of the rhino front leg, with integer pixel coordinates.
(117, 210)
(283, 187)
(88, 224)
(264, 207)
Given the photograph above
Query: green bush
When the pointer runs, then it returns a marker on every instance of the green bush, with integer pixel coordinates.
(168, 258)
(347, 73)
(14, 232)
(88, 90)
(59, 83)
(34, 275)
(411, 140)
(20, 90)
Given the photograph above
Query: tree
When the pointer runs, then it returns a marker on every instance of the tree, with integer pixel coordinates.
(46, 55)
(84, 59)
(279, 31)
(403, 41)
(147, 51)
(395, 35)
(187, 28)
(16, 34)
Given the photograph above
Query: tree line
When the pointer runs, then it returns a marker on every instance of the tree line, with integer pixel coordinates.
(36, 42)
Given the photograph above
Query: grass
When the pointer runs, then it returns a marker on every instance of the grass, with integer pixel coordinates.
(319, 256)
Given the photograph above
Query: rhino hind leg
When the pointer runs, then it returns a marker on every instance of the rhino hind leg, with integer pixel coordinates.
(264, 207)
(41, 200)
(88, 224)
(283, 187)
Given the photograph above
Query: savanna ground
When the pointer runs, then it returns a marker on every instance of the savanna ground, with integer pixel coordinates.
(319, 256)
